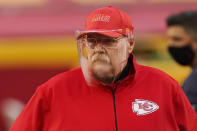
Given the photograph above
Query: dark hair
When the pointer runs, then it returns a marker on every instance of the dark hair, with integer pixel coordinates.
(187, 19)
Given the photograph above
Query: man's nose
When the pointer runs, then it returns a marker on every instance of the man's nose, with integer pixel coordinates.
(98, 47)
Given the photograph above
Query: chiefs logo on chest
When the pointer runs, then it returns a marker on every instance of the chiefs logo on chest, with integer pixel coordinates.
(144, 107)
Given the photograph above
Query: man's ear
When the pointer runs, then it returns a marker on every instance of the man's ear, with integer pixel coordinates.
(131, 45)
(194, 45)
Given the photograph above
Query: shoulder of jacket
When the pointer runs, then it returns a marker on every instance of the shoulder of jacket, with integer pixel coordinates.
(154, 73)
(63, 78)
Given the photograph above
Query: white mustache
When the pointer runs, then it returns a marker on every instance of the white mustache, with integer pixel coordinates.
(100, 57)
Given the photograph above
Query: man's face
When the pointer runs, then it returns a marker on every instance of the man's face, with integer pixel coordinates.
(177, 36)
(107, 56)
(181, 46)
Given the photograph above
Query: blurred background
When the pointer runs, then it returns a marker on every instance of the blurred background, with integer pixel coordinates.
(37, 42)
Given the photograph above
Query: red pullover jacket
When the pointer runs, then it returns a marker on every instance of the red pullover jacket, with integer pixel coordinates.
(146, 100)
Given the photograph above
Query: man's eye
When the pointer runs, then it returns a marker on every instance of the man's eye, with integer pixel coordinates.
(108, 40)
(91, 40)
(177, 38)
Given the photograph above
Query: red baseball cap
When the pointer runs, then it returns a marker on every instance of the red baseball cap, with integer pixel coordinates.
(109, 21)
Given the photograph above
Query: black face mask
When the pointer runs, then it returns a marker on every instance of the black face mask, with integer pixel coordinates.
(183, 55)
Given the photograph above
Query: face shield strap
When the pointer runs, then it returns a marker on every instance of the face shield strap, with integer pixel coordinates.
(125, 32)
(79, 33)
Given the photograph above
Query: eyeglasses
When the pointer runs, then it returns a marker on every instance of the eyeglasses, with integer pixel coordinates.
(105, 42)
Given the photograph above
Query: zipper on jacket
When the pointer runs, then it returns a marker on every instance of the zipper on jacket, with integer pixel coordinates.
(114, 103)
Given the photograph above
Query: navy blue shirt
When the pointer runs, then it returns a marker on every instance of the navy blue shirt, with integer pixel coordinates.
(190, 87)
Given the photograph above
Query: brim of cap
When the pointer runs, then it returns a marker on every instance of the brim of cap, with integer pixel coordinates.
(107, 33)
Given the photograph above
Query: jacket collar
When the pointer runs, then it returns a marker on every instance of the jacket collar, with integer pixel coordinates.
(133, 66)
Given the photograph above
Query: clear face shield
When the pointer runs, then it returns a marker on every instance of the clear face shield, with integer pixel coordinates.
(102, 58)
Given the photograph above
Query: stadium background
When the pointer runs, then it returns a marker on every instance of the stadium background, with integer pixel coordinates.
(37, 40)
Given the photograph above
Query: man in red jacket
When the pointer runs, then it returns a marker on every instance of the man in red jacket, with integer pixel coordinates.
(110, 92)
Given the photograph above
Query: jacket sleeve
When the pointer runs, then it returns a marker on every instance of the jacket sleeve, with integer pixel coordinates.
(184, 113)
(32, 116)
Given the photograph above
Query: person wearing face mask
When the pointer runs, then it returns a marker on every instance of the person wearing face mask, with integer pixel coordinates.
(182, 46)
(110, 91)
